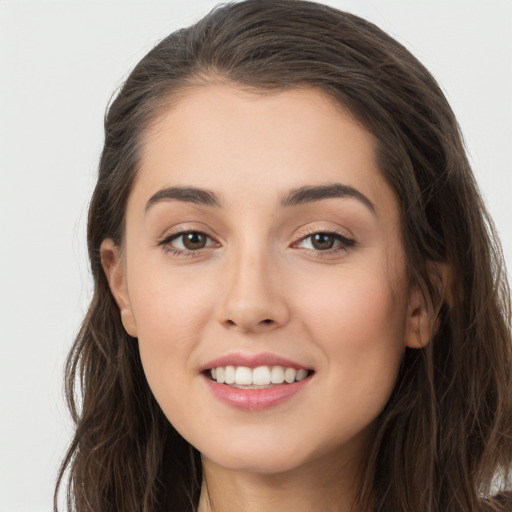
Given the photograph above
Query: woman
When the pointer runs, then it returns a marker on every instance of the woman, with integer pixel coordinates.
(299, 303)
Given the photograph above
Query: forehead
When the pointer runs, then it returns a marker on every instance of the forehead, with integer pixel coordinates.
(215, 108)
(224, 138)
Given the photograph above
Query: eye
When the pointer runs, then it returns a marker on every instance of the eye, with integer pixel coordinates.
(325, 241)
(192, 240)
(187, 242)
(322, 241)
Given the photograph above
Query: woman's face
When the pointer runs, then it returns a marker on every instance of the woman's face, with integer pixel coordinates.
(263, 243)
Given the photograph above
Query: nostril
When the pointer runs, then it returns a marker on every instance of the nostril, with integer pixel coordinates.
(249, 325)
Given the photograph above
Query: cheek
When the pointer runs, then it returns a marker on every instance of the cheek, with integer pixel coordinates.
(168, 335)
(359, 324)
(170, 314)
(355, 305)
(170, 306)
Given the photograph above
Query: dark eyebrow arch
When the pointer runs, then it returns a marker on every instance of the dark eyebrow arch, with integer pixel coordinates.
(187, 194)
(295, 197)
(310, 194)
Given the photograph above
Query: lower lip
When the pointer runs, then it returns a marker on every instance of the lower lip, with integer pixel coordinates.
(255, 399)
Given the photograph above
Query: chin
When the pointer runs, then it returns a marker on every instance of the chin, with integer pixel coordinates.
(257, 462)
(267, 453)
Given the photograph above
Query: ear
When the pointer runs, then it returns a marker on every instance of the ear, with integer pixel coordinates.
(422, 314)
(114, 268)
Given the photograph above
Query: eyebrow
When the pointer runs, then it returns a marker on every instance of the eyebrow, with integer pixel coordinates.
(295, 197)
(187, 194)
(310, 194)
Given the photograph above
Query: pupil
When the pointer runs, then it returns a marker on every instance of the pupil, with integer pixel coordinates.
(194, 241)
(323, 241)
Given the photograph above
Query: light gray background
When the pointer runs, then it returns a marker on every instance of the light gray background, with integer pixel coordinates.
(59, 64)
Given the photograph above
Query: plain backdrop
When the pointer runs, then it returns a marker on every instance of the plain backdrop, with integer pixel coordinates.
(60, 62)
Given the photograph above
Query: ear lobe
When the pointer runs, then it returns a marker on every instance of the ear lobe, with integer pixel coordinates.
(422, 315)
(113, 266)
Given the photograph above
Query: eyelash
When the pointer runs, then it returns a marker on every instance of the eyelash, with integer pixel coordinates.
(344, 243)
(168, 239)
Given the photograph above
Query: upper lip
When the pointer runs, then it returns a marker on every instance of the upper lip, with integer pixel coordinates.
(252, 361)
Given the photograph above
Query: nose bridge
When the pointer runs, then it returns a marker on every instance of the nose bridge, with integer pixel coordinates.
(253, 299)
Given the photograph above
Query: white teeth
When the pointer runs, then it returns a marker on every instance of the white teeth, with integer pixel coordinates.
(229, 375)
(290, 374)
(243, 376)
(301, 374)
(260, 376)
(277, 375)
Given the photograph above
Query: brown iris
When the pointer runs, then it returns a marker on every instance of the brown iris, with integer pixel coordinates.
(323, 241)
(194, 240)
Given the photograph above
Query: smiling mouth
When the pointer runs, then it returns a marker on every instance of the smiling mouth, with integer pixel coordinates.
(261, 377)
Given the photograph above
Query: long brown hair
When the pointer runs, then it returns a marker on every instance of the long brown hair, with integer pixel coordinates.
(444, 440)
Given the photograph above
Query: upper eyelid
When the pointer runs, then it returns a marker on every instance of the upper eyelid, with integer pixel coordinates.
(329, 231)
(173, 234)
(343, 242)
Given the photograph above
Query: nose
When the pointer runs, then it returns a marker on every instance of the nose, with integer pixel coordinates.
(253, 298)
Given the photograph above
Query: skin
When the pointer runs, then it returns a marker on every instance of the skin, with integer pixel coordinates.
(261, 285)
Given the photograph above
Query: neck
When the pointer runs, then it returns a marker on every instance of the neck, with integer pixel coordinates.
(319, 486)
